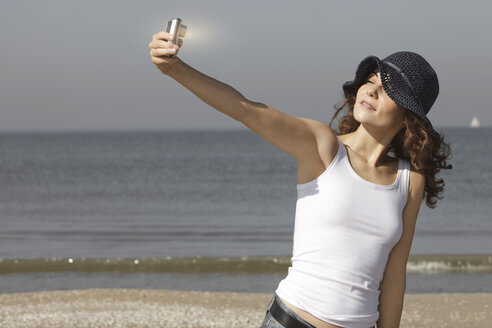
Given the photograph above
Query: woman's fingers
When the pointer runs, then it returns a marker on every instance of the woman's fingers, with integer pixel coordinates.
(156, 52)
(162, 48)
(165, 36)
(156, 44)
(161, 40)
(162, 35)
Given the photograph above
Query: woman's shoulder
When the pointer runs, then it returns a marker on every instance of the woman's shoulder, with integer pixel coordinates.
(327, 144)
(327, 148)
(417, 181)
(326, 139)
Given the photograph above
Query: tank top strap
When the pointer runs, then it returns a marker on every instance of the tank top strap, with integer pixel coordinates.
(340, 144)
(405, 179)
(342, 151)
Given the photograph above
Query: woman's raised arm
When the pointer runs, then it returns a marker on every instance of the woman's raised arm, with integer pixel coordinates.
(296, 136)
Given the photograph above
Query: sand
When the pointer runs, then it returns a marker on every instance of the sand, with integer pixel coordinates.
(167, 308)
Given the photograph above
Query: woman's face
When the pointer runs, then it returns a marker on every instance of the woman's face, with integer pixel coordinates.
(373, 107)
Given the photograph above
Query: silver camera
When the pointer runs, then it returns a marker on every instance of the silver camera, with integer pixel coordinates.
(177, 29)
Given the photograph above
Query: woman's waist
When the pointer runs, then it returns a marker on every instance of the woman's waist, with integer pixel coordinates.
(329, 296)
(326, 275)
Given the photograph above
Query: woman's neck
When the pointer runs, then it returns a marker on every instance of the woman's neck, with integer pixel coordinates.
(370, 147)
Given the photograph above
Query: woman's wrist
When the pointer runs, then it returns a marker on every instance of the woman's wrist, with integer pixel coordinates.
(173, 69)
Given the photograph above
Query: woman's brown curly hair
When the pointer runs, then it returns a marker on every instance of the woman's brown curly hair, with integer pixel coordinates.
(425, 152)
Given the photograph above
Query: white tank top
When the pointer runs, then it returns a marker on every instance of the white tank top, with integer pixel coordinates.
(345, 228)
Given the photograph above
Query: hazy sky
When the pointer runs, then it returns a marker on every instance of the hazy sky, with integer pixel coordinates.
(85, 65)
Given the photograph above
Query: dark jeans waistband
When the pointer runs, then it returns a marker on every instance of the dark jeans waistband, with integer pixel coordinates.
(285, 316)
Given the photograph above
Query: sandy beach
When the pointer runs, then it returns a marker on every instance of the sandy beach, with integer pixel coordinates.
(168, 308)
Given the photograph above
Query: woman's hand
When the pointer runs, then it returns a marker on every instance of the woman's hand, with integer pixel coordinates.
(160, 47)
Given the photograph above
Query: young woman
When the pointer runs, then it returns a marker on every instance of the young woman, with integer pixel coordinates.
(357, 206)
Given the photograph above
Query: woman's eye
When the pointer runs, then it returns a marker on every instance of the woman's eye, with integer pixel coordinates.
(368, 81)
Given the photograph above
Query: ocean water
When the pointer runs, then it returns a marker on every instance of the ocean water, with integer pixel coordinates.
(173, 195)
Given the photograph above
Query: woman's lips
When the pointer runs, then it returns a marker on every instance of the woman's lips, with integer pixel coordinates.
(367, 105)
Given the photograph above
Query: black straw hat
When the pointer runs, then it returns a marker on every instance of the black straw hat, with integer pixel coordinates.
(407, 78)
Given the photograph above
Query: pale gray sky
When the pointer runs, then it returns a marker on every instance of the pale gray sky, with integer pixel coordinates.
(85, 65)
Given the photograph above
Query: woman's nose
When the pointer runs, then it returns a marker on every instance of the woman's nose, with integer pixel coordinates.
(370, 91)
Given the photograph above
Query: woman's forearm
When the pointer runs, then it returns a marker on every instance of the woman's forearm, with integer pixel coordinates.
(391, 300)
(219, 95)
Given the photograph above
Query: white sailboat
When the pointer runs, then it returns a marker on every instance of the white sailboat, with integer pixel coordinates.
(475, 123)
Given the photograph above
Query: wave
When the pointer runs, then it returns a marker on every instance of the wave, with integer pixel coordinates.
(417, 264)
(449, 263)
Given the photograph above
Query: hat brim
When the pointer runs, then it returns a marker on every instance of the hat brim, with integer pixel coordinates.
(403, 96)
(366, 66)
